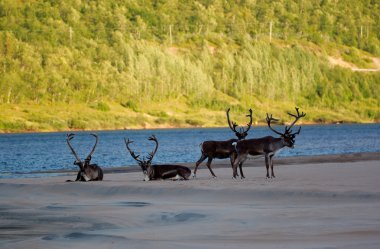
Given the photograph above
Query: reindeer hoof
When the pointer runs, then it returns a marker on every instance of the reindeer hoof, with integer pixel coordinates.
(194, 176)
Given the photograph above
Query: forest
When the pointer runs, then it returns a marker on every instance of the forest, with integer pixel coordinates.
(121, 64)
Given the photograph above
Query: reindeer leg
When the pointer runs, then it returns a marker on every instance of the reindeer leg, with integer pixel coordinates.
(271, 165)
(203, 157)
(183, 174)
(209, 166)
(232, 160)
(241, 167)
(241, 170)
(234, 168)
(100, 175)
(267, 164)
(239, 159)
(79, 176)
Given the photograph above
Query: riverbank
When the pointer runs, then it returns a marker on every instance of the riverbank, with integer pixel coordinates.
(225, 163)
(322, 203)
(53, 117)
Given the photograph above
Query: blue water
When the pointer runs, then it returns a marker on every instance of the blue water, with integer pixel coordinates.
(41, 152)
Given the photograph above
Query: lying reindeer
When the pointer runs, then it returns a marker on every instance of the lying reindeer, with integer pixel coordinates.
(223, 149)
(87, 171)
(162, 171)
(267, 146)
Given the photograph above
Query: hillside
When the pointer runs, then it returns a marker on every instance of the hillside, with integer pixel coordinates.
(117, 64)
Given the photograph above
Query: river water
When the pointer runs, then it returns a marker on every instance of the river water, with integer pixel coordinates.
(21, 154)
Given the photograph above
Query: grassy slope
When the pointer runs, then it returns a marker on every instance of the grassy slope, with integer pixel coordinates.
(120, 80)
(169, 114)
(181, 111)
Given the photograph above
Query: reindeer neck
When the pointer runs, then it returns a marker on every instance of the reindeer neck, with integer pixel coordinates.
(150, 171)
(276, 145)
(81, 166)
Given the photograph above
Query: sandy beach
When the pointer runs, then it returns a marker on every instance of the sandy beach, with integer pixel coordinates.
(330, 202)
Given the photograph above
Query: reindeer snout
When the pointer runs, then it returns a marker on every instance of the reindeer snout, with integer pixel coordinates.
(146, 177)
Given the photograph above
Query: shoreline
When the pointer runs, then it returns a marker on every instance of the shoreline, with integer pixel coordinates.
(260, 162)
(259, 124)
(218, 163)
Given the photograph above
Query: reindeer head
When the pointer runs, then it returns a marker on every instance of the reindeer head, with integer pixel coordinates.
(144, 163)
(288, 136)
(78, 161)
(242, 133)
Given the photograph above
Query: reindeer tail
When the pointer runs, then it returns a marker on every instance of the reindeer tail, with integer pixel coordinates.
(234, 144)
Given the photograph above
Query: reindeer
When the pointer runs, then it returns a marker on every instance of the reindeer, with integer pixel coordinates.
(267, 146)
(162, 171)
(223, 149)
(87, 171)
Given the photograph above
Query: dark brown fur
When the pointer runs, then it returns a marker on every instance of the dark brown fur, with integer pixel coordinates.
(223, 149)
(267, 146)
(156, 172)
(87, 171)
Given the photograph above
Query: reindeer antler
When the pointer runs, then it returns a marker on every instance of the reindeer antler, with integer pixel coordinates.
(232, 125)
(269, 119)
(242, 132)
(68, 138)
(93, 148)
(151, 154)
(297, 117)
(136, 157)
(250, 120)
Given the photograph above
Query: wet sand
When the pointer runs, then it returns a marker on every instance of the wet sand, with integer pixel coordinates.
(325, 202)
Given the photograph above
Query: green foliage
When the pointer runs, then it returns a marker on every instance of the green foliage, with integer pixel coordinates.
(13, 126)
(194, 122)
(160, 114)
(101, 106)
(76, 124)
(131, 105)
(207, 54)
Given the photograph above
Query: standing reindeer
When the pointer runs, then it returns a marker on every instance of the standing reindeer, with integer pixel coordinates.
(155, 172)
(267, 146)
(87, 171)
(223, 149)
